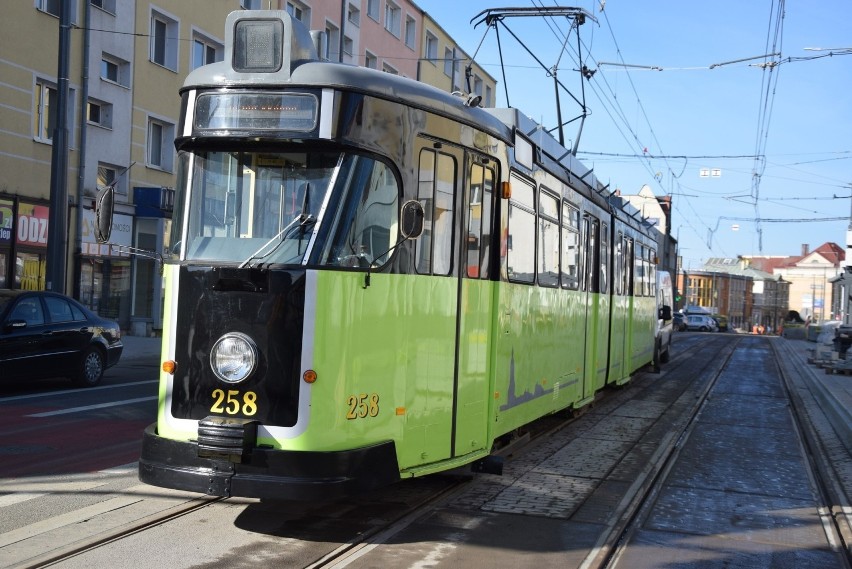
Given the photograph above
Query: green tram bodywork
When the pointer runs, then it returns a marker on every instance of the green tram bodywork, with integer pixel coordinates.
(378, 358)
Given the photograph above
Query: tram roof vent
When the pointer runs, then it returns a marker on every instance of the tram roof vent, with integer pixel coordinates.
(266, 42)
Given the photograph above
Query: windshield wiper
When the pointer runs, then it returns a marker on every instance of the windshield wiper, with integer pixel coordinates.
(303, 220)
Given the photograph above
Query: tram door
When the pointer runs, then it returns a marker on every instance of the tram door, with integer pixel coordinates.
(476, 297)
(622, 311)
(591, 287)
(455, 295)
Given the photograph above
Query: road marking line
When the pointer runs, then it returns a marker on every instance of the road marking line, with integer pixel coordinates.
(11, 499)
(90, 407)
(64, 392)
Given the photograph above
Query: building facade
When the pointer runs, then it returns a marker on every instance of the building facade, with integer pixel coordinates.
(127, 61)
(810, 276)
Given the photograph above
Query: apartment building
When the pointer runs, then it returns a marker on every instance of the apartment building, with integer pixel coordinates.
(127, 61)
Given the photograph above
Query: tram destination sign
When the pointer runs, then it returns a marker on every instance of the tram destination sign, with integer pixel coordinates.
(256, 111)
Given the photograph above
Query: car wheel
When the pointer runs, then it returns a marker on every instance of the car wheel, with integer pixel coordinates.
(91, 368)
(704, 328)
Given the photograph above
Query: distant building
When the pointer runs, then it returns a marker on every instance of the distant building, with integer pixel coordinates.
(810, 275)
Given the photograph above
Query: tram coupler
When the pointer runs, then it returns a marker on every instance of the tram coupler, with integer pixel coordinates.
(226, 438)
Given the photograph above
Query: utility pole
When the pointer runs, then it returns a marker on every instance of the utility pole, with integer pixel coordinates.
(57, 230)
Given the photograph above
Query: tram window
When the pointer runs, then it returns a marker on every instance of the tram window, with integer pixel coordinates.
(365, 227)
(628, 266)
(570, 250)
(639, 272)
(548, 240)
(652, 272)
(436, 189)
(604, 258)
(521, 238)
(480, 190)
(618, 265)
(263, 207)
(592, 227)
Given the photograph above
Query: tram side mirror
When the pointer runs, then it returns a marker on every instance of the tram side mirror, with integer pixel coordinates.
(104, 206)
(412, 216)
(666, 312)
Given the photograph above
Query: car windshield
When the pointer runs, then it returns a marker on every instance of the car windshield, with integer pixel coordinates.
(253, 208)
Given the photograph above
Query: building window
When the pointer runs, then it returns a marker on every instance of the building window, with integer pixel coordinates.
(160, 135)
(348, 48)
(431, 47)
(448, 62)
(205, 51)
(107, 175)
(52, 7)
(99, 113)
(300, 12)
(45, 98)
(389, 69)
(105, 5)
(487, 102)
(392, 18)
(410, 31)
(353, 14)
(332, 42)
(250, 4)
(164, 40)
(373, 9)
(371, 61)
(115, 70)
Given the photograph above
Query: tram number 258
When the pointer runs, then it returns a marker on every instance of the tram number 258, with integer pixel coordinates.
(362, 406)
(233, 401)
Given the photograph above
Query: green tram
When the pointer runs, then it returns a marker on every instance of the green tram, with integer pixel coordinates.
(370, 279)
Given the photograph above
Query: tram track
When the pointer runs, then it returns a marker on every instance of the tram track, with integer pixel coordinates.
(835, 511)
(60, 554)
(836, 521)
(607, 554)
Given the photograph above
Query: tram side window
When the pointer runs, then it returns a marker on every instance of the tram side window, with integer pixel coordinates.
(548, 240)
(604, 260)
(628, 266)
(570, 246)
(435, 190)
(481, 191)
(639, 278)
(618, 264)
(592, 275)
(521, 237)
(652, 272)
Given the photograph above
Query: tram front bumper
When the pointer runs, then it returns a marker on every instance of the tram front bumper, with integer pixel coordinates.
(267, 473)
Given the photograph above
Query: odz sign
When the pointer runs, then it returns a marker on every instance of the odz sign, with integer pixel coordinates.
(32, 223)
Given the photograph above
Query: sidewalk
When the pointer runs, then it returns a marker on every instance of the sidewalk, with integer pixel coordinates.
(141, 349)
(833, 391)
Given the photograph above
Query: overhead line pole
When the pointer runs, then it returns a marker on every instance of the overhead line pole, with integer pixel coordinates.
(57, 227)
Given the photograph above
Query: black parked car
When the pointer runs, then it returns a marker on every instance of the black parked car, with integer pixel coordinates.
(46, 334)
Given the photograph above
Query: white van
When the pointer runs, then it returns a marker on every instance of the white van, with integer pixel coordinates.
(665, 301)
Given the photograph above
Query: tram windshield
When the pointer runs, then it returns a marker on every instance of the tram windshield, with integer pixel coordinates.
(259, 208)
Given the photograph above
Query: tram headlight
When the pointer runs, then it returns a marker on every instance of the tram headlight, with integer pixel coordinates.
(233, 357)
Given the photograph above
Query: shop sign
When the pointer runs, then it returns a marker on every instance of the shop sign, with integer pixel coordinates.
(121, 236)
(6, 222)
(32, 225)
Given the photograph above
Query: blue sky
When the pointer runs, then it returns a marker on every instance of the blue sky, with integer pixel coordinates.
(663, 126)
